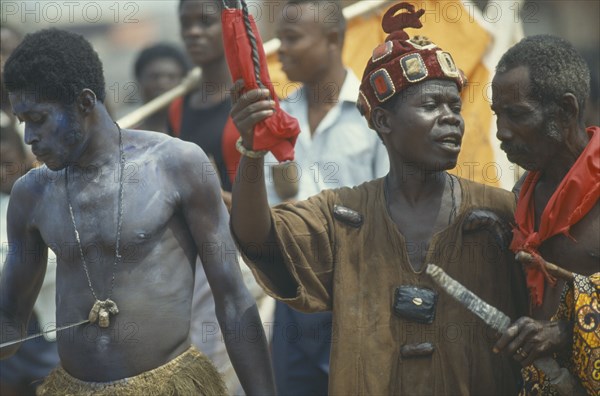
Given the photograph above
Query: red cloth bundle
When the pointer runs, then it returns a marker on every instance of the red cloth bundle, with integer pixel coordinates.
(279, 132)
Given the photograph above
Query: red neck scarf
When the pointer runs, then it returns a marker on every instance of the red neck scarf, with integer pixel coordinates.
(577, 193)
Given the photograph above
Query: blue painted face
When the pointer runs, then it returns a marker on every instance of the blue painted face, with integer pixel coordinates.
(51, 129)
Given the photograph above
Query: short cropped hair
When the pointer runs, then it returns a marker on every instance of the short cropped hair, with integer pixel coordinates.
(330, 13)
(160, 51)
(55, 65)
(555, 68)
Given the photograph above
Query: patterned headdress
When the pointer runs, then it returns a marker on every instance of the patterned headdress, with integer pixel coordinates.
(402, 61)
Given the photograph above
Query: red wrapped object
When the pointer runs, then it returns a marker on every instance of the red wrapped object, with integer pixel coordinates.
(277, 133)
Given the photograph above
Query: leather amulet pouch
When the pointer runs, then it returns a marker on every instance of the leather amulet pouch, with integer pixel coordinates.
(415, 303)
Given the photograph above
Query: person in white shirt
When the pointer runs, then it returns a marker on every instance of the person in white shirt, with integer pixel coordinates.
(335, 148)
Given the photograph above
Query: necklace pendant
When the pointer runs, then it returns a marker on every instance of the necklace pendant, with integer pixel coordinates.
(103, 319)
(94, 312)
(101, 312)
(111, 306)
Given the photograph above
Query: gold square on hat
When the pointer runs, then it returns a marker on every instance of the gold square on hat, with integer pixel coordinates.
(421, 43)
(447, 64)
(413, 67)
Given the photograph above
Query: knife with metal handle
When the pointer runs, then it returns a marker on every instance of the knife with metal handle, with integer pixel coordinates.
(562, 380)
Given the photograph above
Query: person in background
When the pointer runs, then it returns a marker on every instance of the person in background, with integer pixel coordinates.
(539, 95)
(325, 106)
(200, 117)
(20, 374)
(24, 371)
(157, 69)
(9, 40)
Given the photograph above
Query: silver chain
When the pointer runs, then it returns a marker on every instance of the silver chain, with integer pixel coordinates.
(119, 221)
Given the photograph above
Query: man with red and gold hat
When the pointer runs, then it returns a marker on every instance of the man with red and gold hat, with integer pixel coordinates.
(360, 252)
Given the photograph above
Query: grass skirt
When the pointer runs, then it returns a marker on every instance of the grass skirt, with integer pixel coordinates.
(191, 373)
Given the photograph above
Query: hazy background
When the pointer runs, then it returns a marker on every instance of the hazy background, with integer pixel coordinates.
(120, 29)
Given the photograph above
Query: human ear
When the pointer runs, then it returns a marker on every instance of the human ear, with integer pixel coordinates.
(86, 101)
(381, 119)
(569, 108)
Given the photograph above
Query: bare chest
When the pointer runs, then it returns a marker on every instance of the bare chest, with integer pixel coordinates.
(419, 225)
(99, 212)
(418, 229)
(580, 251)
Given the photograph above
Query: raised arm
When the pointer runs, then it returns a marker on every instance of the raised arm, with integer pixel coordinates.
(208, 221)
(250, 214)
(24, 267)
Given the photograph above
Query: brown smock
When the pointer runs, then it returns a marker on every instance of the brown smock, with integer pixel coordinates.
(354, 271)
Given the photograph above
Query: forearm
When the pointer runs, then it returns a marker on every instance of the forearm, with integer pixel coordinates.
(250, 213)
(16, 303)
(247, 347)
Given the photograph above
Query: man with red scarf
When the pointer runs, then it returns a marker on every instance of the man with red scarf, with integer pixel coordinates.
(539, 95)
